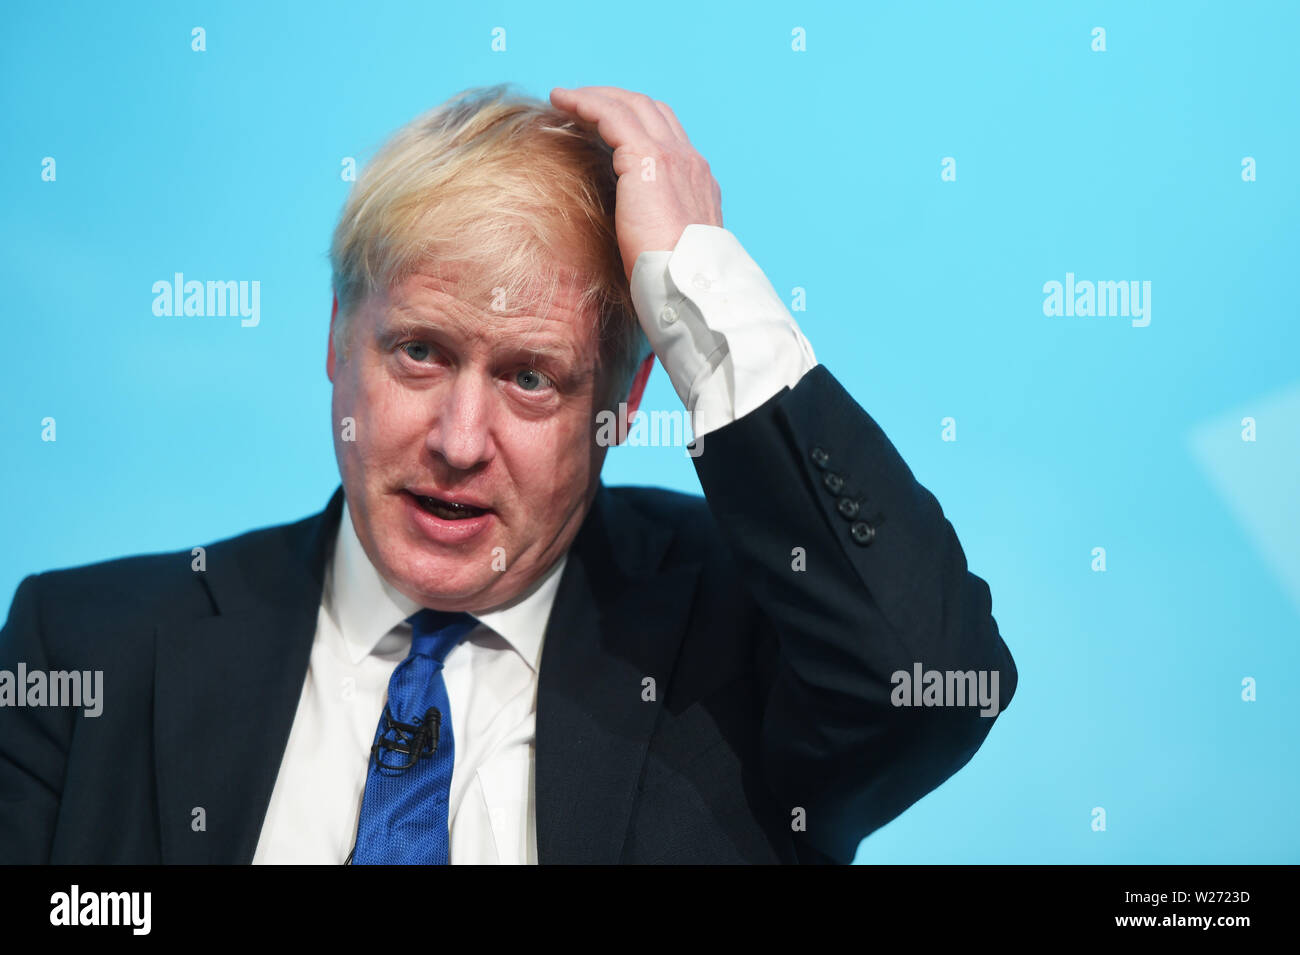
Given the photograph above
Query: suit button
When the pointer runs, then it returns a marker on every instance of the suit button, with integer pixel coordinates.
(834, 483)
(820, 457)
(863, 533)
(848, 507)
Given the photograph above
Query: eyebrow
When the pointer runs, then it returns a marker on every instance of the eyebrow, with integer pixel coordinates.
(398, 329)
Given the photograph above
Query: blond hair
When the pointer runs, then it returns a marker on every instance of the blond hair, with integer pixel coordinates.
(510, 195)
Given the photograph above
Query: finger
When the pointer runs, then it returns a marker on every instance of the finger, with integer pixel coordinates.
(671, 118)
(647, 110)
(616, 124)
(630, 117)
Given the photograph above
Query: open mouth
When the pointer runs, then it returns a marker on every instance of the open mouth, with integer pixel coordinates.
(447, 510)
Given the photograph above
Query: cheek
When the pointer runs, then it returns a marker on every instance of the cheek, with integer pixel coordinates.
(386, 422)
(551, 463)
(394, 417)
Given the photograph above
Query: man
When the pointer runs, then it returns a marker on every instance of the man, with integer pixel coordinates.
(478, 652)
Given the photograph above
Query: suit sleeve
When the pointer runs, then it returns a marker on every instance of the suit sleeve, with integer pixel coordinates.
(33, 741)
(883, 588)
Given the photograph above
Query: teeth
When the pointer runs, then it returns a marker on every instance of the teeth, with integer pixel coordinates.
(448, 510)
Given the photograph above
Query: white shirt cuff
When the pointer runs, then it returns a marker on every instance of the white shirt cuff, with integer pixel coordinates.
(722, 333)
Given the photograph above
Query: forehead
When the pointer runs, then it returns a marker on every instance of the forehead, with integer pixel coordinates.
(467, 305)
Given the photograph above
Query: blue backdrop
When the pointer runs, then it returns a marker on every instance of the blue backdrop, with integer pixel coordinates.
(920, 170)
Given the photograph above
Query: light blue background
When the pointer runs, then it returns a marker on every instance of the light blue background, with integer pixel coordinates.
(924, 299)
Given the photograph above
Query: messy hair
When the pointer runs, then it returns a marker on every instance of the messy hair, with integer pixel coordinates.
(510, 195)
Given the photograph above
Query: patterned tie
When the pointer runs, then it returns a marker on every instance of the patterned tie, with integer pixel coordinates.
(404, 810)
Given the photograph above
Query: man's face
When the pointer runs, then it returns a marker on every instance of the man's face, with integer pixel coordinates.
(473, 460)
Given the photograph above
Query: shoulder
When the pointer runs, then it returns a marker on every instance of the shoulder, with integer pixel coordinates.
(693, 534)
(686, 515)
(727, 623)
(119, 589)
(139, 592)
(658, 503)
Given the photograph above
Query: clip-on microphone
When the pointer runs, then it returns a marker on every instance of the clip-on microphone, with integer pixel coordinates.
(413, 741)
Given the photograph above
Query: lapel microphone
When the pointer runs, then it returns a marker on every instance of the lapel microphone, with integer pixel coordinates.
(410, 741)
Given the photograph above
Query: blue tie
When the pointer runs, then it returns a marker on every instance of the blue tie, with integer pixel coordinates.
(404, 810)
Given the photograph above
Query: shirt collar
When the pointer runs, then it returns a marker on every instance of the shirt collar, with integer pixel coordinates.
(367, 607)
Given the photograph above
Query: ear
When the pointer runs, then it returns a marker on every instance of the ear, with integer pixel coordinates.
(635, 394)
(638, 384)
(330, 359)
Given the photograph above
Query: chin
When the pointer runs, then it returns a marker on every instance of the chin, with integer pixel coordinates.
(448, 583)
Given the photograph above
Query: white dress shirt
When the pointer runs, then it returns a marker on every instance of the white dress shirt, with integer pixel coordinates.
(721, 331)
(728, 344)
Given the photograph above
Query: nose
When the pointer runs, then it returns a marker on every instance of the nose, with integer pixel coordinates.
(461, 432)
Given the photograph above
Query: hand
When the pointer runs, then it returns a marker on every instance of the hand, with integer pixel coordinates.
(664, 185)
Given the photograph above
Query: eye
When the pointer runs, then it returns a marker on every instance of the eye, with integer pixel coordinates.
(417, 351)
(530, 379)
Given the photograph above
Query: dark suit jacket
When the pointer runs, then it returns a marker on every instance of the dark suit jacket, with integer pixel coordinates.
(770, 736)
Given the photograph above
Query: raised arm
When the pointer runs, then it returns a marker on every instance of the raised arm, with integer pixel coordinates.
(889, 669)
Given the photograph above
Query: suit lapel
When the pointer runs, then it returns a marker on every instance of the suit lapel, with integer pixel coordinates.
(618, 620)
(227, 688)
